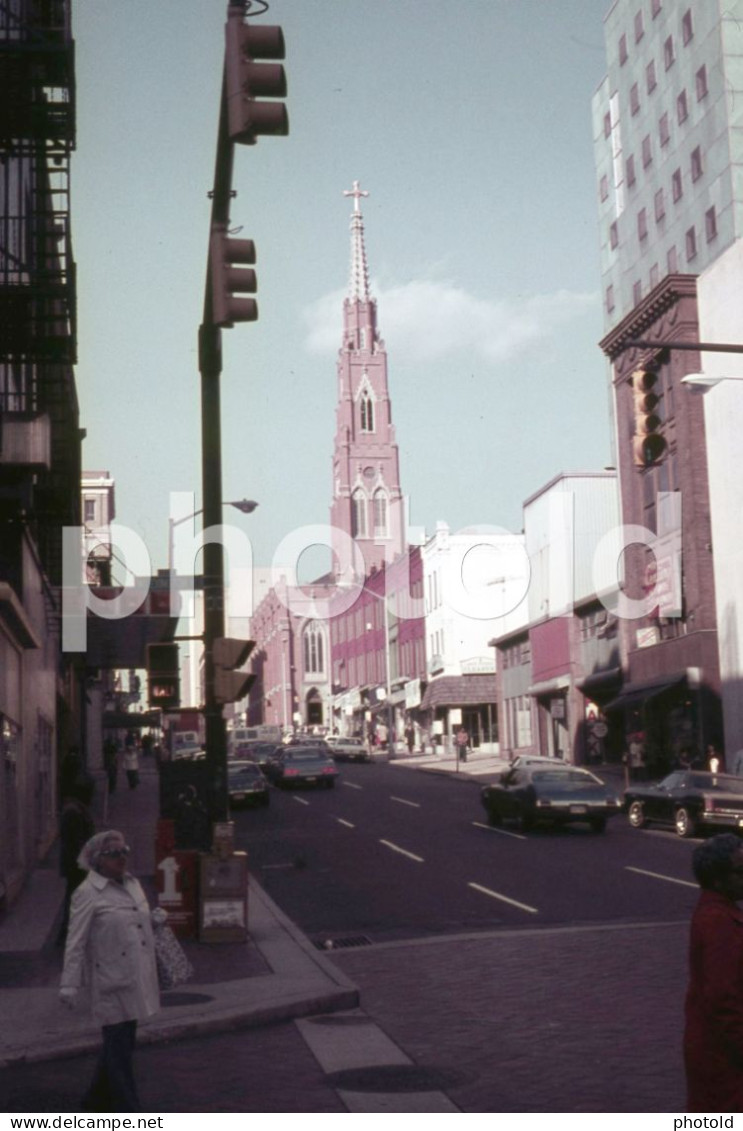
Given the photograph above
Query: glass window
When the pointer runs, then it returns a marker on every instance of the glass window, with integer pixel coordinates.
(642, 224)
(701, 83)
(687, 27)
(691, 244)
(668, 52)
(677, 190)
(654, 275)
(607, 124)
(358, 515)
(672, 260)
(634, 98)
(380, 514)
(610, 298)
(664, 130)
(655, 7)
(631, 171)
(637, 292)
(604, 187)
(696, 164)
(647, 151)
(682, 107)
(367, 412)
(710, 224)
(639, 27)
(613, 235)
(651, 80)
(660, 205)
(622, 50)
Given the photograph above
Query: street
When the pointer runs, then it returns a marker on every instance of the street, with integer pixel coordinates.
(537, 973)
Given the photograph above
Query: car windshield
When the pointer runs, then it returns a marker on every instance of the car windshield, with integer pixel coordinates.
(725, 783)
(565, 777)
(248, 771)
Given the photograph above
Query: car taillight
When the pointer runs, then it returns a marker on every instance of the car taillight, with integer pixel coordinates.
(328, 769)
(290, 773)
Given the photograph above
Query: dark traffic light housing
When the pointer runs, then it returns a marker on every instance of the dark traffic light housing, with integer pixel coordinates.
(163, 676)
(248, 81)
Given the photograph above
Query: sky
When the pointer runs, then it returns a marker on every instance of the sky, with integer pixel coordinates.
(470, 126)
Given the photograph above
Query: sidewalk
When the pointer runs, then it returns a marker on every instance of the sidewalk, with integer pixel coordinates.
(276, 975)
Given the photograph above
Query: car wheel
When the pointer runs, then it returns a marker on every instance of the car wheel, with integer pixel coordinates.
(598, 824)
(686, 826)
(636, 815)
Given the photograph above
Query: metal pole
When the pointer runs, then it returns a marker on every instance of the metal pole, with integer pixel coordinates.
(210, 367)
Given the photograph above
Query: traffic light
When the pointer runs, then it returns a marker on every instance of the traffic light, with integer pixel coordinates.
(246, 80)
(227, 655)
(649, 444)
(163, 676)
(229, 281)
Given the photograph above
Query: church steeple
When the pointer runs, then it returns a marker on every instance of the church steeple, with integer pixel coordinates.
(367, 501)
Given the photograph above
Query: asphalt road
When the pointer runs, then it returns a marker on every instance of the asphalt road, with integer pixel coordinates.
(392, 854)
(542, 973)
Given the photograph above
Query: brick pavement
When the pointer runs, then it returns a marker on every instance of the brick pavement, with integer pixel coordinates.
(581, 1020)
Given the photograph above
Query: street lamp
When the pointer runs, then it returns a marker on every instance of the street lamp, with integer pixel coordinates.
(245, 506)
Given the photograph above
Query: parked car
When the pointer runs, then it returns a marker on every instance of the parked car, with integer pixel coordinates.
(302, 765)
(309, 740)
(689, 800)
(349, 749)
(246, 784)
(550, 794)
(189, 753)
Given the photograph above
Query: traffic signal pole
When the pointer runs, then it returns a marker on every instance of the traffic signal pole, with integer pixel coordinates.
(242, 117)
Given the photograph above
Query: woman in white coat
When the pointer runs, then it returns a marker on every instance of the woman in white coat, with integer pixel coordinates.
(110, 947)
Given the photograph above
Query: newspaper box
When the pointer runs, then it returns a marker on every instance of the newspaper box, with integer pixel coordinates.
(223, 897)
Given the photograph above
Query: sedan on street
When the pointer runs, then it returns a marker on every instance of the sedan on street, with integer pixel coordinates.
(246, 784)
(302, 765)
(550, 795)
(689, 801)
(349, 749)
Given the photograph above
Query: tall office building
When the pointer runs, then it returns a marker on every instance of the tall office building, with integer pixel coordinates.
(667, 141)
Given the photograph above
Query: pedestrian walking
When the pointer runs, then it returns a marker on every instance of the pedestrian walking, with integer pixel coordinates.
(131, 766)
(462, 740)
(713, 1036)
(410, 737)
(110, 948)
(715, 763)
(76, 827)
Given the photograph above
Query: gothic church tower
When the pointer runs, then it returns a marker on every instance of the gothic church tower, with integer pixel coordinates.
(367, 501)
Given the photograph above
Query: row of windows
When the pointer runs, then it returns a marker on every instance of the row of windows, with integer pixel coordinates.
(691, 249)
(669, 53)
(701, 87)
(696, 169)
(696, 165)
(516, 654)
(360, 525)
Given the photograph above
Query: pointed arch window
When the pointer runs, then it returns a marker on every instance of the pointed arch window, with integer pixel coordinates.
(358, 514)
(314, 649)
(366, 407)
(380, 514)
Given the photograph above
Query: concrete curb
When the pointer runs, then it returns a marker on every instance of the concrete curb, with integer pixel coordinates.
(304, 982)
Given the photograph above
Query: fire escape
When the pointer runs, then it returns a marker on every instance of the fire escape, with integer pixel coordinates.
(39, 430)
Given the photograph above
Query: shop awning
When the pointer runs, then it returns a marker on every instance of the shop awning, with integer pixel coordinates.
(548, 686)
(641, 692)
(598, 680)
(459, 691)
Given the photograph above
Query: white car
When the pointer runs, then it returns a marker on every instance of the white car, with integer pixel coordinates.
(348, 749)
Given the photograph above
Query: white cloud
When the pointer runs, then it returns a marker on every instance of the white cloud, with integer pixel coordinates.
(424, 320)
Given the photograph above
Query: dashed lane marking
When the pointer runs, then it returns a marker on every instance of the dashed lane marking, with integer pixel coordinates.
(502, 898)
(403, 801)
(402, 851)
(351, 785)
(299, 800)
(346, 823)
(494, 829)
(660, 876)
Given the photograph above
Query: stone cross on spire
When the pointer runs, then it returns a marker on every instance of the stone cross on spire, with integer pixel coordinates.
(359, 282)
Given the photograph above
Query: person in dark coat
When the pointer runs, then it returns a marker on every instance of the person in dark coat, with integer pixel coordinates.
(76, 827)
(713, 1035)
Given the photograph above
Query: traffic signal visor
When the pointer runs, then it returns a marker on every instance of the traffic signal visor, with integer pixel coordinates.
(247, 81)
(649, 444)
(229, 654)
(230, 278)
